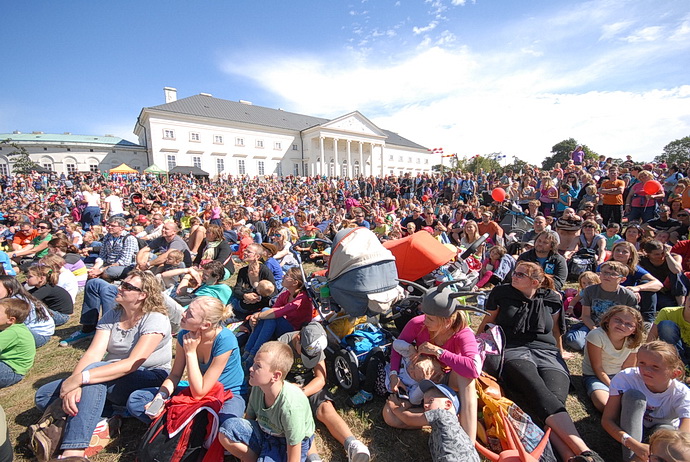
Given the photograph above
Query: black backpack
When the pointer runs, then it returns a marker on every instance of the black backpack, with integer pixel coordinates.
(185, 446)
(583, 260)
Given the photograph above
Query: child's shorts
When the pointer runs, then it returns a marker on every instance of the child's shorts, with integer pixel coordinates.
(269, 448)
(592, 383)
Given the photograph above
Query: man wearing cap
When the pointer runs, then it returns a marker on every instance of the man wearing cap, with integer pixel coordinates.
(448, 441)
(487, 225)
(309, 345)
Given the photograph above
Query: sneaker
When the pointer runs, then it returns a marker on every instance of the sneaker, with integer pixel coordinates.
(357, 452)
(76, 337)
(360, 398)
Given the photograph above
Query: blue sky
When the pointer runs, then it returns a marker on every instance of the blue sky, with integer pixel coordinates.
(472, 77)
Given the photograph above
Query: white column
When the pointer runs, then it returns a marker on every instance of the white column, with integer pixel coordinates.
(361, 160)
(336, 165)
(381, 147)
(349, 160)
(323, 156)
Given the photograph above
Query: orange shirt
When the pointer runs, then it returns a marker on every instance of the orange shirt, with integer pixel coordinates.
(23, 239)
(686, 198)
(610, 199)
(491, 227)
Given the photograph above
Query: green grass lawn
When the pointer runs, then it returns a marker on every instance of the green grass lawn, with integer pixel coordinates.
(386, 444)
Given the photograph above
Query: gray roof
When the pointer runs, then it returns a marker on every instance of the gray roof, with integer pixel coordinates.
(66, 138)
(215, 108)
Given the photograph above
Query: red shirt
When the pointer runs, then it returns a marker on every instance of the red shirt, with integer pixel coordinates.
(682, 248)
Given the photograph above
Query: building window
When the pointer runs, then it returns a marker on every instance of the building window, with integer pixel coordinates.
(196, 161)
(168, 134)
(93, 168)
(172, 162)
(259, 143)
(355, 169)
(239, 141)
(90, 150)
(4, 170)
(220, 165)
(409, 160)
(260, 167)
(193, 136)
(69, 149)
(218, 139)
(45, 149)
(426, 161)
(294, 147)
(279, 169)
(295, 170)
(71, 168)
(390, 157)
(277, 145)
(418, 160)
(241, 167)
(400, 159)
(48, 166)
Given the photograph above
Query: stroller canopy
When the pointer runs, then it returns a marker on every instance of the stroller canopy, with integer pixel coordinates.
(418, 255)
(362, 276)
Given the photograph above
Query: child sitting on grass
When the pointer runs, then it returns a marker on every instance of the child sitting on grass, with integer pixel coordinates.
(610, 349)
(672, 325)
(17, 346)
(574, 305)
(279, 424)
(669, 446)
(647, 398)
(611, 235)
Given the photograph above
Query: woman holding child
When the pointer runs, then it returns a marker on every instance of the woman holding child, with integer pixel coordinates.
(528, 310)
(442, 334)
(131, 350)
(251, 292)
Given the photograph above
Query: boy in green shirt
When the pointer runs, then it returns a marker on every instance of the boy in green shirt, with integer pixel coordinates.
(278, 425)
(17, 346)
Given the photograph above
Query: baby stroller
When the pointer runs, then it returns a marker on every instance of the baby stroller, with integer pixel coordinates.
(424, 260)
(361, 283)
(515, 223)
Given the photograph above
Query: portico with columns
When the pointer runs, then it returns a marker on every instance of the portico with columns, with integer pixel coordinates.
(350, 146)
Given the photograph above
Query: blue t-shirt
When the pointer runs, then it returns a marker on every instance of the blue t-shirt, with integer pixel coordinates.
(564, 196)
(232, 376)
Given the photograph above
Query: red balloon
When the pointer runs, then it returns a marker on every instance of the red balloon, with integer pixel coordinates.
(652, 187)
(425, 198)
(498, 194)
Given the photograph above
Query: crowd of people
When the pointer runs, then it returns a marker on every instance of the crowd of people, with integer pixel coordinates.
(152, 256)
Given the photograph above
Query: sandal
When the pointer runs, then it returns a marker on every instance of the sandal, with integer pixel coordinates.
(587, 456)
(360, 398)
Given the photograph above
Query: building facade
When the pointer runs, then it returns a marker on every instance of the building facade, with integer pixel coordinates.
(238, 138)
(67, 153)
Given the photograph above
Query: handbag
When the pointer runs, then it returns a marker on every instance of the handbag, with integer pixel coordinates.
(45, 436)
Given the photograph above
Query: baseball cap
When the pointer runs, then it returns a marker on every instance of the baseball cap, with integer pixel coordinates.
(286, 219)
(142, 219)
(313, 341)
(426, 385)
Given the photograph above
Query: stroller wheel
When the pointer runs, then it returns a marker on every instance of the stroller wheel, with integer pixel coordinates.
(346, 372)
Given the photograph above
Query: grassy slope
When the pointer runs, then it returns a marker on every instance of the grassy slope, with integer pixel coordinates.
(386, 444)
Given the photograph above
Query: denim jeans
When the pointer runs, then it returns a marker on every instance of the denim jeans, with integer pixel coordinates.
(8, 376)
(59, 318)
(265, 330)
(137, 401)
(115, 273)
(669, 332)
(574, 338)
(268, 448)
(91, 216)
(40, 339)
(98, 295)
(97, 400)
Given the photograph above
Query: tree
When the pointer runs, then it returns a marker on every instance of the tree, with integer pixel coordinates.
(23, 162)
(474, 164)
(561, 153)
(517, 165)
(675, 152)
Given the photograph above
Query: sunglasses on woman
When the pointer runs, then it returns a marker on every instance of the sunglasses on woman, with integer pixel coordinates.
(129, 287)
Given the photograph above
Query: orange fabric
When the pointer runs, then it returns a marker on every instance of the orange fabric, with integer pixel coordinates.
(610, 199)
(686, 198)
(24, 239)
(418, 255)
(491, 227)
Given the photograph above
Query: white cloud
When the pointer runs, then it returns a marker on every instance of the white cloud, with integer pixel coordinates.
(420, 30)
(458, 2)
(646, 34)
(682, 32)
(610, 31)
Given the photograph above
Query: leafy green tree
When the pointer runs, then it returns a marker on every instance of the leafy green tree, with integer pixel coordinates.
(561, 153)
(516, 165)
(675, 152)
(23, 162)
(476, 163)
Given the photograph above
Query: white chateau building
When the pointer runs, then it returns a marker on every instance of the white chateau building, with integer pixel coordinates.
(236, 138)
(68, 153)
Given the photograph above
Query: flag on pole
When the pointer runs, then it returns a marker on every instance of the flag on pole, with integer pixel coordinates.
(436, 150)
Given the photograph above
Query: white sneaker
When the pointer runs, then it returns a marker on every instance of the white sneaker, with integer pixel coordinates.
(358, 452)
